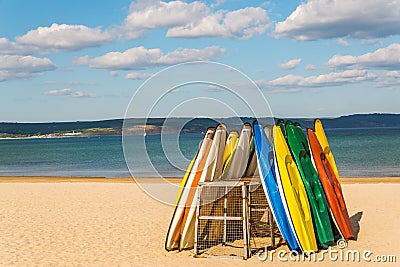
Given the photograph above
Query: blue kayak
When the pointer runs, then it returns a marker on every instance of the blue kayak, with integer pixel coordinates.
(265, 157)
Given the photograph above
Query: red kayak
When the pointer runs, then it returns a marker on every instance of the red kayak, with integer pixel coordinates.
(331, 187)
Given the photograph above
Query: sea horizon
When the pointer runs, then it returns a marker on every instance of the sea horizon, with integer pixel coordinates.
(361, 152)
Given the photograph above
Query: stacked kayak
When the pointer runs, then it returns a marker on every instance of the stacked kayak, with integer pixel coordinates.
(293, 193)
(266, 165)
(297, 172)
(330, 183)
(221, 157)
(319, 209)
(186, 193)
(323, 141)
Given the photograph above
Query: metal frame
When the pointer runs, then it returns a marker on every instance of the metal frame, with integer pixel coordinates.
(247, 209)
(258, 204)
(225, 218)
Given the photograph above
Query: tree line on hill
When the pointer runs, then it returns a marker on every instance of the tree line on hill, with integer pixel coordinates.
(184, 125)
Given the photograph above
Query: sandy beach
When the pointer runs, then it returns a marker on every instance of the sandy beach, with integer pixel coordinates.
(58, 221)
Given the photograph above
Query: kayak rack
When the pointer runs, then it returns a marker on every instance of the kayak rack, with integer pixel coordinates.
(233, 220)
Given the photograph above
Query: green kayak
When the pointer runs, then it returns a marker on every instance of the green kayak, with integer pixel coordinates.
(281, 123)
(319, 209)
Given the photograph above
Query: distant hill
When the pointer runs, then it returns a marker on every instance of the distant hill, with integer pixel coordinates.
(154, 125)
(357, 121)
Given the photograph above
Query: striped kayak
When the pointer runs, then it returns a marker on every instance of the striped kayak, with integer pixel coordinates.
(186, 193)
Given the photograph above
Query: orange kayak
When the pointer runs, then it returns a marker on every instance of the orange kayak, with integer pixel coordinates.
(331, 187)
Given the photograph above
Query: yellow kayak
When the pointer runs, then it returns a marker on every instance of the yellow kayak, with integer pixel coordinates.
(295, 194)
(230, 147)
(172, 238)
(323, 141)
(185, 192)
(184, 181)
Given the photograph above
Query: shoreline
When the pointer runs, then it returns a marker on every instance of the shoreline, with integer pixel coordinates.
(84, 179)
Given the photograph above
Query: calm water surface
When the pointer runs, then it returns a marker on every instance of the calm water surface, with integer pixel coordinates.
(358, 152)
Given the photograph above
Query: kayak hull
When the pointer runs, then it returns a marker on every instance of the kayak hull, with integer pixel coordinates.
(265, 158)
(316, 196)
(186, 189)
(332, 188)
(294, 193)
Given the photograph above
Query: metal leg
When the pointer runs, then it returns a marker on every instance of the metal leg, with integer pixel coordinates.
(225, 210)
(196, 231)
(272, 227)
(245, 222)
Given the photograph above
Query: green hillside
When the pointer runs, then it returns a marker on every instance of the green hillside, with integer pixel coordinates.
(155, 125)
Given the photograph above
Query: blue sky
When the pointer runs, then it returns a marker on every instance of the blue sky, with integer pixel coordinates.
(67, 61)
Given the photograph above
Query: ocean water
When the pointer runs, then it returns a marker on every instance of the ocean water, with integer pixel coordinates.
(366, 152)
(358, 152)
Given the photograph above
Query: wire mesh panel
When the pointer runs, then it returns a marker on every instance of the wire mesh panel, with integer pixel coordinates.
(233, 220)
(263, 229)
(222, 220)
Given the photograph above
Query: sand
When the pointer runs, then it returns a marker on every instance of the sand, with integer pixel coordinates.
(113, 223)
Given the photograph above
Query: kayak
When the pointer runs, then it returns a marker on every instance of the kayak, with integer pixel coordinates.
(265, 156)
(332, 188)
(319, 209)
(215, 160)
(294, 193)
(185, 192)
(321, 136)
(212, 171)
(230, 147)
(251, 170)
(238, 164)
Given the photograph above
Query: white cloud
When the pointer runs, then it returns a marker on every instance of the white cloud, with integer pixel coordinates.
(14, 66)
(375, 42)
(181, 19)
(242, 24)
(389, 79)
(383, 58)
(141, 58)
(137, 75)
(218, 3)
(65, 37)
(27, 64)
(311, 67)
(208, 26)
(49, 82)
(114, 73)
(343, 42)
(6, 75)
(318, 19)
(264, 85)
(247, 22)
(75, 83)
(69, 92)
(12, 48)
(193, 20)
(145, 14)
(189, 54)
(83, 60)
(158, 14)
(323, 80)
(291, 64)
